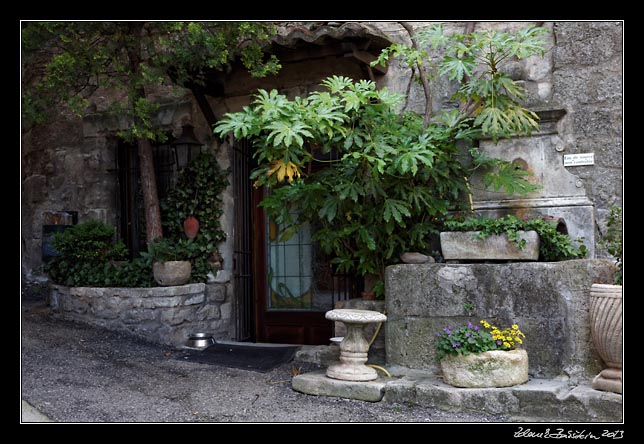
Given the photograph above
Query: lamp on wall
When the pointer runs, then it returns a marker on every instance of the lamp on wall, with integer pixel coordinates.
(185, 146)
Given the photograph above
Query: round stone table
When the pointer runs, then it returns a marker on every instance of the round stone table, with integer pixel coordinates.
(354, 348)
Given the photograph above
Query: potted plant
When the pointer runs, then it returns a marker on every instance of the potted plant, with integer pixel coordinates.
(471, 356)
(606, 312)
(171, 261)
(507, 238)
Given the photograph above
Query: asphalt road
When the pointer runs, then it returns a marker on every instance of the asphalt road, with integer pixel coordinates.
(76, 373)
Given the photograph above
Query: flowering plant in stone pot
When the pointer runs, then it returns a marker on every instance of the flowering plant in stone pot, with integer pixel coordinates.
(471, 356)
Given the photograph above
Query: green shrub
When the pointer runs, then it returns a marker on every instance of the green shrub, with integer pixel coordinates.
(88, 257)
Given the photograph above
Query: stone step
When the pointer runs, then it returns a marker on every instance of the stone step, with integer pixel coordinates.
(317, 383)
(538, 400)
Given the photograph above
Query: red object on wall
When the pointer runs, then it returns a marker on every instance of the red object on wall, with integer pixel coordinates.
(191, 227)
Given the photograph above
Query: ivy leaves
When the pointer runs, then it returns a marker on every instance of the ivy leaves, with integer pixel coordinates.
(197, 193)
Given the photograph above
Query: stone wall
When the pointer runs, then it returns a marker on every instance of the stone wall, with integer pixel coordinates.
(166, 315)
(64, 170)
(549, 301)
(587, 83)
(577, 88)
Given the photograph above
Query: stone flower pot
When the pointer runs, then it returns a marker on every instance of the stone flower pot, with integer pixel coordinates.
(460, 245)
(607, 333)
(494, 368)
(172, 272)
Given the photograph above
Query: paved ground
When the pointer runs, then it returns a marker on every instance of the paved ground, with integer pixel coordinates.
(75, 373)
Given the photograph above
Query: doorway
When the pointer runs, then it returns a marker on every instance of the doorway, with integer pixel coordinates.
(282, 289)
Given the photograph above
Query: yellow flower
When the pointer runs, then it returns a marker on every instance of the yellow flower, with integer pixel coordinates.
(515, 327)
(283, 170)
(485, 323)
(507, 344)
(519, 340)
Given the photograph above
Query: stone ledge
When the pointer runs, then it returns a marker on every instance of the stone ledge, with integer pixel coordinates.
(540, 400)
(316, 383)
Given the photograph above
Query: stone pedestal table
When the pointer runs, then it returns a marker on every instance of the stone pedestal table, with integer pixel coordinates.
(354, 348)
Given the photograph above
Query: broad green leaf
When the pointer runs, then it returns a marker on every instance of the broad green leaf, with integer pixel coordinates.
(457, 68)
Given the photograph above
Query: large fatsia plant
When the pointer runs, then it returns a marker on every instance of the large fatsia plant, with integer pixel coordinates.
(374, 181)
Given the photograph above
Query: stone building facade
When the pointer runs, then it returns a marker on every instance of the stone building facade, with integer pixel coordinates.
(71, 164)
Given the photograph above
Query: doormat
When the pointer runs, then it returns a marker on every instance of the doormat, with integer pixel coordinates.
(247, 357)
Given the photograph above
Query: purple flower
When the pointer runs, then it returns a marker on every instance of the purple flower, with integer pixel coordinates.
(476, 328)
(446, 330)
(456, 344)
(469, 325)
(438, 335)
(449, 334)
(467, 335)
(499, 342)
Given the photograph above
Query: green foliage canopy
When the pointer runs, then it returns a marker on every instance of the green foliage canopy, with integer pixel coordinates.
(81, 57)
(390, 179)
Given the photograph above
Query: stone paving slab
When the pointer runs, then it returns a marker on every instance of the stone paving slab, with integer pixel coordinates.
(317, 383)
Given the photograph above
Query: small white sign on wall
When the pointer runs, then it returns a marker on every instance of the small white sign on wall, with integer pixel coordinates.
(579, 159)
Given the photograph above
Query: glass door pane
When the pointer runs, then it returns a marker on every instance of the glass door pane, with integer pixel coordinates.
(289, 269)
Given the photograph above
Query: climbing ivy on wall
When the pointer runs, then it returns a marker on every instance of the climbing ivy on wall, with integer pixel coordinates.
(198, 192)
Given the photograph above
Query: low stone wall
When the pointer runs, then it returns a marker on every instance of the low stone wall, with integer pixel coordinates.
(549, 301)
(165, 315)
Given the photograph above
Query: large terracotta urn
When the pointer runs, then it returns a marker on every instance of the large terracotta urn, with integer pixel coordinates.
(607, 332)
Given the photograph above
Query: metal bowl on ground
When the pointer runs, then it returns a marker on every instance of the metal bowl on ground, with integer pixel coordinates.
(200, 340)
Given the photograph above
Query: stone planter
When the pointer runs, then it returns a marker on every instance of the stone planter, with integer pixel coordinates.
(172, 273)
(494, 368)
(607, 332)
(461, 246)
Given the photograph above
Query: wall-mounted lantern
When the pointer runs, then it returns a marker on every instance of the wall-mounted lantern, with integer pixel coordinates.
(186, 147)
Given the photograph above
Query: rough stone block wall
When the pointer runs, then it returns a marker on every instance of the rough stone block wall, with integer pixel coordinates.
(549, 301)
(166, 315)
(588, 73)
(64, 171)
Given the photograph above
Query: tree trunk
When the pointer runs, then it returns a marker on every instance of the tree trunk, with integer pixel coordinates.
(153, 228)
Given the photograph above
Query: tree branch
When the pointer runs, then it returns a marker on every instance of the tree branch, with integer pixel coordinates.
(422, 73)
